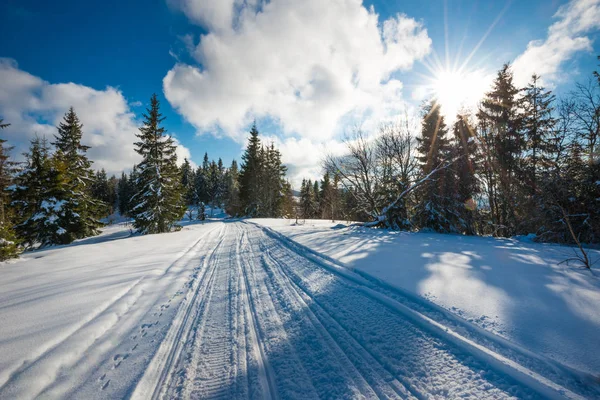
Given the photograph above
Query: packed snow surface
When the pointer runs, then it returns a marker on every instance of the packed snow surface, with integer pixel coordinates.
(231, 309)
(514, 288)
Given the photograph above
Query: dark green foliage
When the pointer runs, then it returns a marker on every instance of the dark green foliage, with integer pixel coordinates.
(307, 199)
(124, 194)
(232, 190)
(502, 144)
(261, 179)
(126, 189)
(214, 186)
(435, 209)
(464, 154)
(158, 202)
(9, 243)
(82, 211)
(104, 189)
(250, 173)
(187, 183)
(38, 199)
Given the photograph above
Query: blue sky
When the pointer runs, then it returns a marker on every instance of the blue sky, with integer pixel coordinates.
(117, 53)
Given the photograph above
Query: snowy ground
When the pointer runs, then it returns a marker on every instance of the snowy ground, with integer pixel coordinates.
(229, 309)
(512, 288)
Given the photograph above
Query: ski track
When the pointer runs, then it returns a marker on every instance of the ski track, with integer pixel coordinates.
(257, 317)
(275, 324)
(87, 357)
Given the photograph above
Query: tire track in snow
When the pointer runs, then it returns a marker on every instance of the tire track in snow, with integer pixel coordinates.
(213, 370)
(290, 376)
(527, 378)
(379, 377)
(69, 349)
(158, 373)
(265, 373)
(424, 363)
(72, 373)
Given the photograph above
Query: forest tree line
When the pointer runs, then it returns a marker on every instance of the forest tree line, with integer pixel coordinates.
(524, 162)
(55, 197)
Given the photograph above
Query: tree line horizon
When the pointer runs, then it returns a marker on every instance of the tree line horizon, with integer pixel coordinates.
(524, 162)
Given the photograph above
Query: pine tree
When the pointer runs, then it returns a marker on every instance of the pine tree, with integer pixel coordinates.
(250, 174)
(538, 127)
(273, 182)
(214, 186)
(9, 243)
(288, 203)
(113, 184)
(80, 217)
(38, 198)
(125, 192)
(500, 135)
(101, 191)
(325, 194)
(316, 200)
(187, 183)
(159, 203)
(464, 152)
(200, 185)
(222, 187)
(232, 200)
(305, 199)
(433, 210)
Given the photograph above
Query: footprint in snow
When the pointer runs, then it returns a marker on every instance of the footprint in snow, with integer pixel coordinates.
(119, 358)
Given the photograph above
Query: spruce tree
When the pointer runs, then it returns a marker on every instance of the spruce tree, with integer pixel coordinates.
(326, 194)
(213, 186)
(101, 191)
(80, 217)
(159, 202)
(187, 183)
(538, 128)
(538, 125)
(200, 184)
(433, 210)
(464, 167)
(232, 199)
(274, 185)
(113, 184)
(306, 199)
(38, 198)
(250, 174)
(316, 200)
(125, 192)
(288, 203)
(500, 135)
(9, 246)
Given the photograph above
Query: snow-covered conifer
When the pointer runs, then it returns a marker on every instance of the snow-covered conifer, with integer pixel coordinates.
(158, 202)
(82, 210)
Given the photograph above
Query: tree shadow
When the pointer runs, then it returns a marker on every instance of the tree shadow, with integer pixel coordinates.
(515, 289)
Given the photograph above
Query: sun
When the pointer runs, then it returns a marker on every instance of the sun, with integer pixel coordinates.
(449, 89)
(457, 91)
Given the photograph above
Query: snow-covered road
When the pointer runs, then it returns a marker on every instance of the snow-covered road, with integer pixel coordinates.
(258, 316)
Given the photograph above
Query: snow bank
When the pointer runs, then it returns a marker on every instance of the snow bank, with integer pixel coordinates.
(511, 288)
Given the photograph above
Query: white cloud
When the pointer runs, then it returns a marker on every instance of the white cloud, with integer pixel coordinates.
(34, 107)
(566, 37)
(183, 153)
(213, 14)
(303, 156)
(312, 66)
